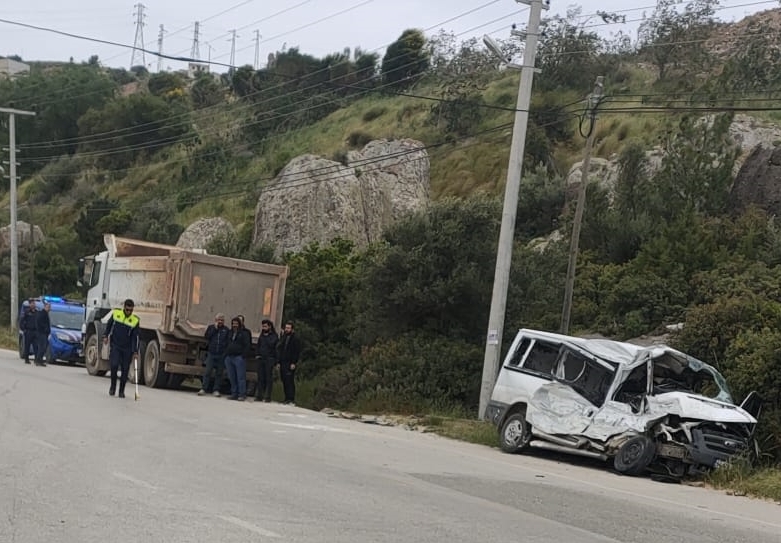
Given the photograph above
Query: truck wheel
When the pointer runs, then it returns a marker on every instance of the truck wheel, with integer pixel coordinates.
(634, 455)
(154, 376)
(91, 354)
(514, 435)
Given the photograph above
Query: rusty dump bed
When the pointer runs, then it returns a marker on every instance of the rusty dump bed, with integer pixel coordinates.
(178, 291)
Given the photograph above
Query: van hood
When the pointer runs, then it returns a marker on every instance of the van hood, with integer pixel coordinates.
(692, 406)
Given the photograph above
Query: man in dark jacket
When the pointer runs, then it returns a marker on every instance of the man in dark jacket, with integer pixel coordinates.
(27, 326)
(234, 360)
(289, 354)
(43, 328)
(217, 336)
(122, 328)
(267, 359)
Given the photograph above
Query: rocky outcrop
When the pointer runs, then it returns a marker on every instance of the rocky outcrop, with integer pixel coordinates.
(604, 172)
(22, 234)
(758, 182)
(201, 232)
(316, 200)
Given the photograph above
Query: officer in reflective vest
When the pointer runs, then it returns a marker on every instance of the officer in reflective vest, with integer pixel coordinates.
(122, 328)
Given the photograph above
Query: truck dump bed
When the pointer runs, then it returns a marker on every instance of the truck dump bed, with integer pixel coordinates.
(178, 291)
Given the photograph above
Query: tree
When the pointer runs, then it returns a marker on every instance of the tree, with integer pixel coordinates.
(405, 59)
(206, 91)
(670, 38)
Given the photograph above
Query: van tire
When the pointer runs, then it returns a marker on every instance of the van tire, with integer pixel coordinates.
(514, 435)
(635, 455)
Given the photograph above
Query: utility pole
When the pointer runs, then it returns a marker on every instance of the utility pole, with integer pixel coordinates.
(233, 51)
(593, 103)
(504, 251)
(160, 37)
(195, 51)
(138, 43)
(12, 113)
(257, 50)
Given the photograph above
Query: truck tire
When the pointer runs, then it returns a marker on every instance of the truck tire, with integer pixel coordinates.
(154, 375)
(91, 356)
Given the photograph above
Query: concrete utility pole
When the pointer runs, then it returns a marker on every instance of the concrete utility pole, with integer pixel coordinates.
(12, 113)
(593, 103)
(138, 43)
(504, 251)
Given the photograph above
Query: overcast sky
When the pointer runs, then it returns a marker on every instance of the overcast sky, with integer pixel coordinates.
(370, 24)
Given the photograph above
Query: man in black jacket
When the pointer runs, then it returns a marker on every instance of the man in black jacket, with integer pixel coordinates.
(122, 328)
(267, 359)
(217, 336)
(289, 353)
(27, 326)
(43, 328)
(234, 360)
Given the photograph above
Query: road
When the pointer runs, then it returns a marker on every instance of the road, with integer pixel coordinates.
(77, 466)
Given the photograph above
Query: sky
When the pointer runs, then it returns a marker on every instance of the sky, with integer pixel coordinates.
(316, 27)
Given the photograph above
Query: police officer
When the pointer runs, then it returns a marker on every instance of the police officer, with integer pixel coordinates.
(43, 329)
(122, 328)
(29, 334)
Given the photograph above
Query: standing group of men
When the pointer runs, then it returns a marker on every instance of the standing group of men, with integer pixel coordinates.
(36, 328)
(231, 347)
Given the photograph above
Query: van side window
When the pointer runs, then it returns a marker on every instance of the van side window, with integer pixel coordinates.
(585, 376)
(517, 356)
(542, 358)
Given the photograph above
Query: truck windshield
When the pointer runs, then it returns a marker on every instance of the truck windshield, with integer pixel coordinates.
(65, 319)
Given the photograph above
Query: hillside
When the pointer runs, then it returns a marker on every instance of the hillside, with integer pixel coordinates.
(398, 325)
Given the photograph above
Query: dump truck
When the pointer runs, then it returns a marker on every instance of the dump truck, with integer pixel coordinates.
(177, 292)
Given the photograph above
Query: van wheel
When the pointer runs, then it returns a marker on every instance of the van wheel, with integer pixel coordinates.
(635, 455)
(514, 435)
(154, 376)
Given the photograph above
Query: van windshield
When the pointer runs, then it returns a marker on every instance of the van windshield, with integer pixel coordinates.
(66, 319)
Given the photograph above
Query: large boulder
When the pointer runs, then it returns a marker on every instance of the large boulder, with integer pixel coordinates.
(758, 182)
(201, 232)
(23, 234)
(316, 200)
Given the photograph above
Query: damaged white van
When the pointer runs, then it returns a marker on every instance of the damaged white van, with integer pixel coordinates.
(651, 409)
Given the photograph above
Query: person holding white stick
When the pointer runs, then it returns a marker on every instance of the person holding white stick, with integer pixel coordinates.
(122, 328)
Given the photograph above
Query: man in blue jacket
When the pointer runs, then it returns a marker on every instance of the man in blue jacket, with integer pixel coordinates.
(122, 328)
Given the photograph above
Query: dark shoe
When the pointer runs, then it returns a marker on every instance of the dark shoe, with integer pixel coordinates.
(233, 397)
(121, 394)
(27, 361)
(267, 400)
(241, 398)
(111, 391)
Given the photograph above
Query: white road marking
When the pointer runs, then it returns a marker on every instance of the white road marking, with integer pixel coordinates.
(131, 479)
(312, 427)
(284, 414)
(43, 443)
(250, 527)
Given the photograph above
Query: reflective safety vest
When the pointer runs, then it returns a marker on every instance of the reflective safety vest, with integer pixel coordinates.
(119, 318)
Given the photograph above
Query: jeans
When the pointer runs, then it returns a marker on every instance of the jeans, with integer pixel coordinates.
(265, 379)
(120, 359)
(237, 373)
(30, 342)
(213, 362)
(288, 377)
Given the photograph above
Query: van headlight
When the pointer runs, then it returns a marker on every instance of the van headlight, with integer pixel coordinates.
(61, 336)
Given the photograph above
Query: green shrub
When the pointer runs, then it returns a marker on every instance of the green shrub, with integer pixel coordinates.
(374, 113)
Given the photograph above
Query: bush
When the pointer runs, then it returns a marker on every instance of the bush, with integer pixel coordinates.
(374, 113)
(415, 371)
(358, 139)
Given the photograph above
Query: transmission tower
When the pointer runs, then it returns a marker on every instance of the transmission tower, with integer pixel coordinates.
(138, 43)
(257, 49)
(160, 48)
(195, 52)
(233, 50)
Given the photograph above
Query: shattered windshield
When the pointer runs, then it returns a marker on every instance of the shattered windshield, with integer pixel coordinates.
(678, 372)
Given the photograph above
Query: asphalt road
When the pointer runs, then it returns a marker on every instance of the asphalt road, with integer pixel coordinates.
(77, 466)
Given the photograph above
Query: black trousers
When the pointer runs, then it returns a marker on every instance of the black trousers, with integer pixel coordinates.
(120, 359)
(265, 379)
(41, 345)
(288, 377)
